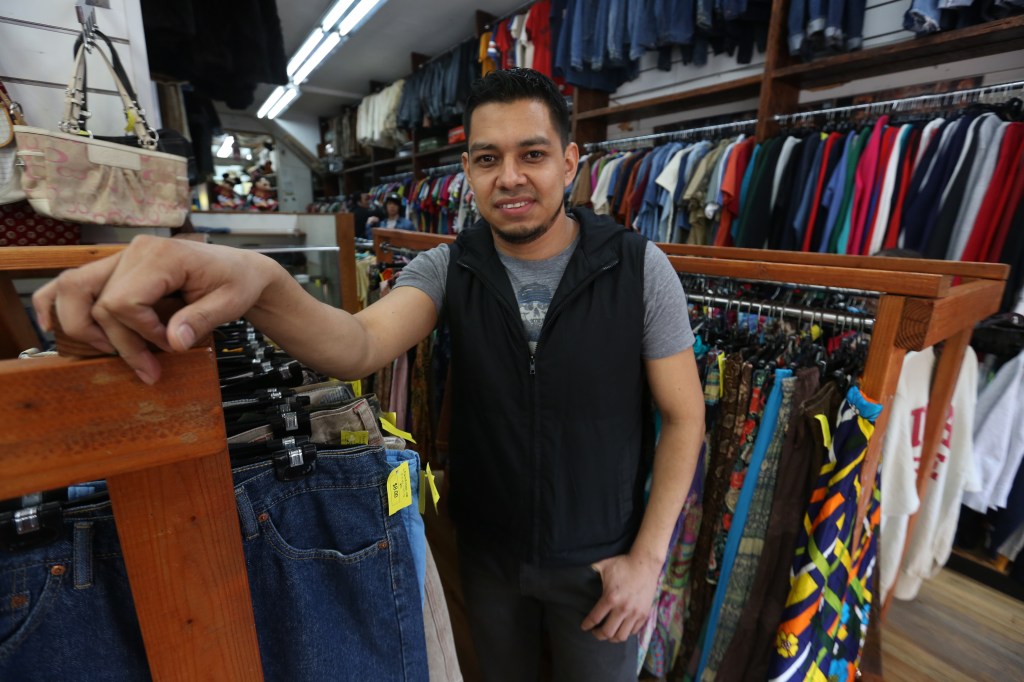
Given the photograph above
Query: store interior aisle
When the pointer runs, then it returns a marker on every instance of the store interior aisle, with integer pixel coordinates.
(956, 629)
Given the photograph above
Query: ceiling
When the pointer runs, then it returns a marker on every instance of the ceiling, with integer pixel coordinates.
(379, 50)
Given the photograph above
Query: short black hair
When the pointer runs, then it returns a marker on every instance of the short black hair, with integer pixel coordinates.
(393, 199)
(512, 85)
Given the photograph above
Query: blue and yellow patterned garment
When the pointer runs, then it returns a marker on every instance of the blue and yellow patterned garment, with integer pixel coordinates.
(829, 597)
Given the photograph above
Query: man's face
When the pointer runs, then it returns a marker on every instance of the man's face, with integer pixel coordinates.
(518, 169)
(392, 209)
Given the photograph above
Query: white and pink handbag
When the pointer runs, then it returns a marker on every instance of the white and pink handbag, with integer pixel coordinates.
(71, 175)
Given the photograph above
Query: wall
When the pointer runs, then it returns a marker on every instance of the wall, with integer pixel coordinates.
(37, 55)
(883, 23)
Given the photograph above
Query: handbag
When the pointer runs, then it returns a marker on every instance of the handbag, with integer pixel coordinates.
(10, 184)
(72, 175)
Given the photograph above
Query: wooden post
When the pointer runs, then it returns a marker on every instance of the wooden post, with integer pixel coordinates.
(345, 236)
(589, 130)
(777, 96)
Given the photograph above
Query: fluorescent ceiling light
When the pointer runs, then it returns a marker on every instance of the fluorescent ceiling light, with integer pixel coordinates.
(330, 42)
(289, 95)
(357, 15)
(311, 42)
(226, 147)
(271, 101)
(331, 20)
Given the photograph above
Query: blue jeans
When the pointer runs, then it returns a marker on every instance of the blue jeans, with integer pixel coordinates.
(411, 514)
(331, 575)
(922, 17)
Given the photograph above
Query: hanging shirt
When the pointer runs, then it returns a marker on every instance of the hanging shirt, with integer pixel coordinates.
(999, 437)
(901, 455)
(990, 139)
(952, 473)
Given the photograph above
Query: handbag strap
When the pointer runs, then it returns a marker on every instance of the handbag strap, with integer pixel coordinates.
(12, 107)
(76, 111)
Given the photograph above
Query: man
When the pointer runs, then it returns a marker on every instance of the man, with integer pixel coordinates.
(394, 219)
(363, 212)
(561, 326)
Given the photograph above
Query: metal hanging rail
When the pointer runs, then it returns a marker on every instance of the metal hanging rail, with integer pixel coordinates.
(970, 95)
(734, 126)
(397, 176)
(447, 169)
(774, 308)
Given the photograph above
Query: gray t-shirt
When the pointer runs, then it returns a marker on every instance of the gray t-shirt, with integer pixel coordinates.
(666, 322)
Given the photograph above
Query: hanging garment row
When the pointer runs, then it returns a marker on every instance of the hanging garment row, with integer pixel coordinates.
(949, 187)
(335, 566)
(599, 45)
(762, 575)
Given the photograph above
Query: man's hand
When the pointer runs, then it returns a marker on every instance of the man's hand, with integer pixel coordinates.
(109, 303)
(630, 585)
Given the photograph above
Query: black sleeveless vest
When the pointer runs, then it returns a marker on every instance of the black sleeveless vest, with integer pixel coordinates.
(550, 451)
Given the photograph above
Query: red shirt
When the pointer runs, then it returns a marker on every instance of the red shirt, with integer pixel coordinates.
(538, 27)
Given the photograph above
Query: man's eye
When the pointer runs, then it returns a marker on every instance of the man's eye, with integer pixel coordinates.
(535, 155)
(485, 159)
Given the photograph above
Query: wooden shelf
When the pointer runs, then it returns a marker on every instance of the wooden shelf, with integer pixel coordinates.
(720, 93)
(440, 151)
(994, 37)
(379, 163)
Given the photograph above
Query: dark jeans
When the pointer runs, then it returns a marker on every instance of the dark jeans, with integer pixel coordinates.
(513, 607)
(332, 579)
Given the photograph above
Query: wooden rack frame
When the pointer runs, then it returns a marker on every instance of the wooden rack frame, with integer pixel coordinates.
(163, 452)
(921, 303)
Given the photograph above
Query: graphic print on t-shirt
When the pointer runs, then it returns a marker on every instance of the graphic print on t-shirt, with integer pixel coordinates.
(534, 300)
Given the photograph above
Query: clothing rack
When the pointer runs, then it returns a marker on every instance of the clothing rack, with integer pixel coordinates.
(64, 421)
(735, 126)
(387, 242)
(954, 98)
(921, 303)
(447, 169)
(776, 308)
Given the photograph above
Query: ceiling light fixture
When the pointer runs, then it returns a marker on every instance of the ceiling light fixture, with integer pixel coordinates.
(226, 147)
(357, 15)
(270, 101)
(321, 53)
(307, 47)
(332, 16)
(289, 96)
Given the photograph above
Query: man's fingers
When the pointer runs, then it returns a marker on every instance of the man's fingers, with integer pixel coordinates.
(75, 292)
(201, 317)
(130, 346)
(612, 624)
(597, 614)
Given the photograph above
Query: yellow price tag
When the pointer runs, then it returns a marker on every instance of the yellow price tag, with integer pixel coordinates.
(826, 430)
(390, 427)
(721, 375)
(815, 332)
(357, 387)
(434, 494)
(399, 488)
(355, 437)
(130, 126)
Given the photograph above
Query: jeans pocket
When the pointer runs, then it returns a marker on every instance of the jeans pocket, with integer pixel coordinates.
(28, 593)
(344, 525)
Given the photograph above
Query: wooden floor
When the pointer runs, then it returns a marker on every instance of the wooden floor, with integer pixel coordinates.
(956, 629)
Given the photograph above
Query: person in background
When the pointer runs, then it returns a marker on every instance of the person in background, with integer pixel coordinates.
(393, 219)
(363, 211)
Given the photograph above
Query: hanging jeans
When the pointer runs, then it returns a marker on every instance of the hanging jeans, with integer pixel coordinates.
(825, 561)
(332, 579)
